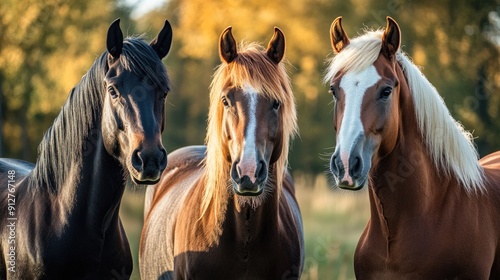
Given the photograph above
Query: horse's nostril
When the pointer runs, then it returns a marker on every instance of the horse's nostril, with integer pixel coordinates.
(355, 167)
(163, 158)
(335, 165)
(137, 161)
(238, 170)
(235, 172)
(261, 171)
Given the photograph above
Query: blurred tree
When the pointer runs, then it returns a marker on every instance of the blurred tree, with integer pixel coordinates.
(446, 38)
(197, 26)
(46, 47)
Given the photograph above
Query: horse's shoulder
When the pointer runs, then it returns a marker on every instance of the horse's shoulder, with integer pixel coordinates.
(288, 183)
(491, 161)
(183, 170)
(185, 157)
(289, 198)
(183, 163)
(491, 166)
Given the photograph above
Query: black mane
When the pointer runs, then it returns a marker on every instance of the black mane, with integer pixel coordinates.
(74, 131)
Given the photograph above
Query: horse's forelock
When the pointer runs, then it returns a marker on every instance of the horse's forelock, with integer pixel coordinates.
(138, 57)
(359, 54)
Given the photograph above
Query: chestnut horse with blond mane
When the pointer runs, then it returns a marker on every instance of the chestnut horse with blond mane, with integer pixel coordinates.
(435, 209)
(228, 210)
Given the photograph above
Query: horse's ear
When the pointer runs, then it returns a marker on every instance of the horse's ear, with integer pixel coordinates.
(163, 41)
(338, 36)
(276, 48)
(114, 41)
(227, 46)
(391, 39)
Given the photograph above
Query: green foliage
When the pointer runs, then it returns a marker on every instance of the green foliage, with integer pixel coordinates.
(46, 47)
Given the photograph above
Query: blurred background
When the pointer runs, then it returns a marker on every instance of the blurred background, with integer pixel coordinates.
(46, 47)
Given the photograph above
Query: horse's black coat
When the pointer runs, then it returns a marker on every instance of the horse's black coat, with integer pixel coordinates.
(65, 223)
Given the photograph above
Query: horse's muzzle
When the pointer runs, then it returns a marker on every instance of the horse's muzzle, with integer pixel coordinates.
(348, 176)
(243, 184)
(147, 165)
(245, 187)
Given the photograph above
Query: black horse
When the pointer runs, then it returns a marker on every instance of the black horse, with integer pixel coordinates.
(59, 218)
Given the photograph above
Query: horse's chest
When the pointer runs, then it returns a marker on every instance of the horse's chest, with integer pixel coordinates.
(232, 261)
(74, 254)
(412, 257)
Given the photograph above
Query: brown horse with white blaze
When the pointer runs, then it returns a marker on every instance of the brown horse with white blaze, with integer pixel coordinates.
(228, 210)
(435, 207)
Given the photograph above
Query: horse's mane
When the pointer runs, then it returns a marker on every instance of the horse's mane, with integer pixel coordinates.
(251, 66)
(74, 130)
(450, 146)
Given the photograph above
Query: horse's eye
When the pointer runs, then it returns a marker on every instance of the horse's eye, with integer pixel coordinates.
(276, 105)
(165, 95)
(333, 92)
(224, 101)
(112, 92)
(384, 95)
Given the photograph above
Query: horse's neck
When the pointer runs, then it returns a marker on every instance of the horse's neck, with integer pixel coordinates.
(407, 180)
(92, 190)
(254, 221)
(103, 185)
(257, 221)
(242, 220)
(406, 185)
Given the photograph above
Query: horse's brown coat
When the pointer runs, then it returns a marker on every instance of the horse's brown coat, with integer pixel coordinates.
(424, 223)
(196, 225)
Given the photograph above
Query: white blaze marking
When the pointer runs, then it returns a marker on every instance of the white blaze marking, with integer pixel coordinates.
(248, 160)
(354, 85)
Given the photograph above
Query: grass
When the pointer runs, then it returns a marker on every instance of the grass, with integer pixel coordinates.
(333, 221)
(131, 213)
